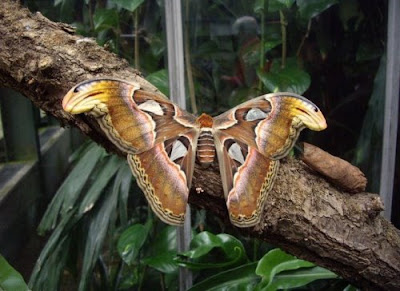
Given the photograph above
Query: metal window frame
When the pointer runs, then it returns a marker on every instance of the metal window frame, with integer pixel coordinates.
(176, 73)
(391, 110)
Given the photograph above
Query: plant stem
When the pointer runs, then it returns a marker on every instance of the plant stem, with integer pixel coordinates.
(262, 36)
(261, 66)
(136, 39)
(90, 12)
(262, 40)
(189, 72)
(304, 38)
(142, 278)
(118, 275)
(103, 272)
(256, 245)
(284, 42)
(162, 281)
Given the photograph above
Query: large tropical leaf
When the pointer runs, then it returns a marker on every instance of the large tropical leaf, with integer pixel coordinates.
(280, 270)
(162, 251)
(130, 5)
(276, 261)
(160, 80)
(131, 241)
(69, 192)
(298, 278)
(98, 226)
(291, 78)
(240, 278)
(311, 8)
(202, 247)
(10, 279)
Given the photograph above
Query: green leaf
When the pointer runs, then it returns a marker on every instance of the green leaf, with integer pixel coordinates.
(81, 151)
(160, 80)
(289, 79)
(131, 241)
(107, 172)
(298, 278)
(10, 279)
(350, 14)
(52, 258)
(68, 193)
(205, 242)
(98, 226)
(311, 8)
(240, 278)
(58, 2)
(49, 274)
(164, 240)
(105, 19)
(270, 44)
(276, 5)
(162, 251)
(202, 244)
(259, 6)
(125, 186)
(157, 45)
(276, 261)
(163, 262)
(129, 5)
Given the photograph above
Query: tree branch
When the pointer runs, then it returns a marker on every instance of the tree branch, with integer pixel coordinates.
(304, 214)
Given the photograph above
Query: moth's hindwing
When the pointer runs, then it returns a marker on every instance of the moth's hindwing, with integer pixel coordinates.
(164, 174)
(247, 178)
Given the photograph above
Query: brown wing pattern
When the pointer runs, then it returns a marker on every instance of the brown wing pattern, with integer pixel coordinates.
(164, 174)
(159, 139)
(247, 176)
(250, 139)
(271, 123)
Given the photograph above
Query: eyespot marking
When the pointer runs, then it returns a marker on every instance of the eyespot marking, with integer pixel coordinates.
(152, 106)
(235, 153)
(255, 114)
(179, 150)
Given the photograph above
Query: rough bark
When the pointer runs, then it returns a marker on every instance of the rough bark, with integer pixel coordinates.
(304, 214)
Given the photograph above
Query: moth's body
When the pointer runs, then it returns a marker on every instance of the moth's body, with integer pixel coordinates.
(205, 153)
(163, 142)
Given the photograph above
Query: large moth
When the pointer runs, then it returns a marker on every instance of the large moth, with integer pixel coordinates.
(163, 142)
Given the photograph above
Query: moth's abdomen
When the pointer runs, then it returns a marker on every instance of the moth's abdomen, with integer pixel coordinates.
(205, 152)
(205, 148)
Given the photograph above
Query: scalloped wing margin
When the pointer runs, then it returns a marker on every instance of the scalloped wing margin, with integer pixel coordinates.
(247, 178)
(164, 173)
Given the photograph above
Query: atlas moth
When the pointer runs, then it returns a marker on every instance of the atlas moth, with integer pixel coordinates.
(163, 142)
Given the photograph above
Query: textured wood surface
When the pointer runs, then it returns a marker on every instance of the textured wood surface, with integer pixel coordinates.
(304, 214)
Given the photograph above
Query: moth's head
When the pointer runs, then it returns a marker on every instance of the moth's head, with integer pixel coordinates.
(308, 113)
(312, 118)
(85, 96)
